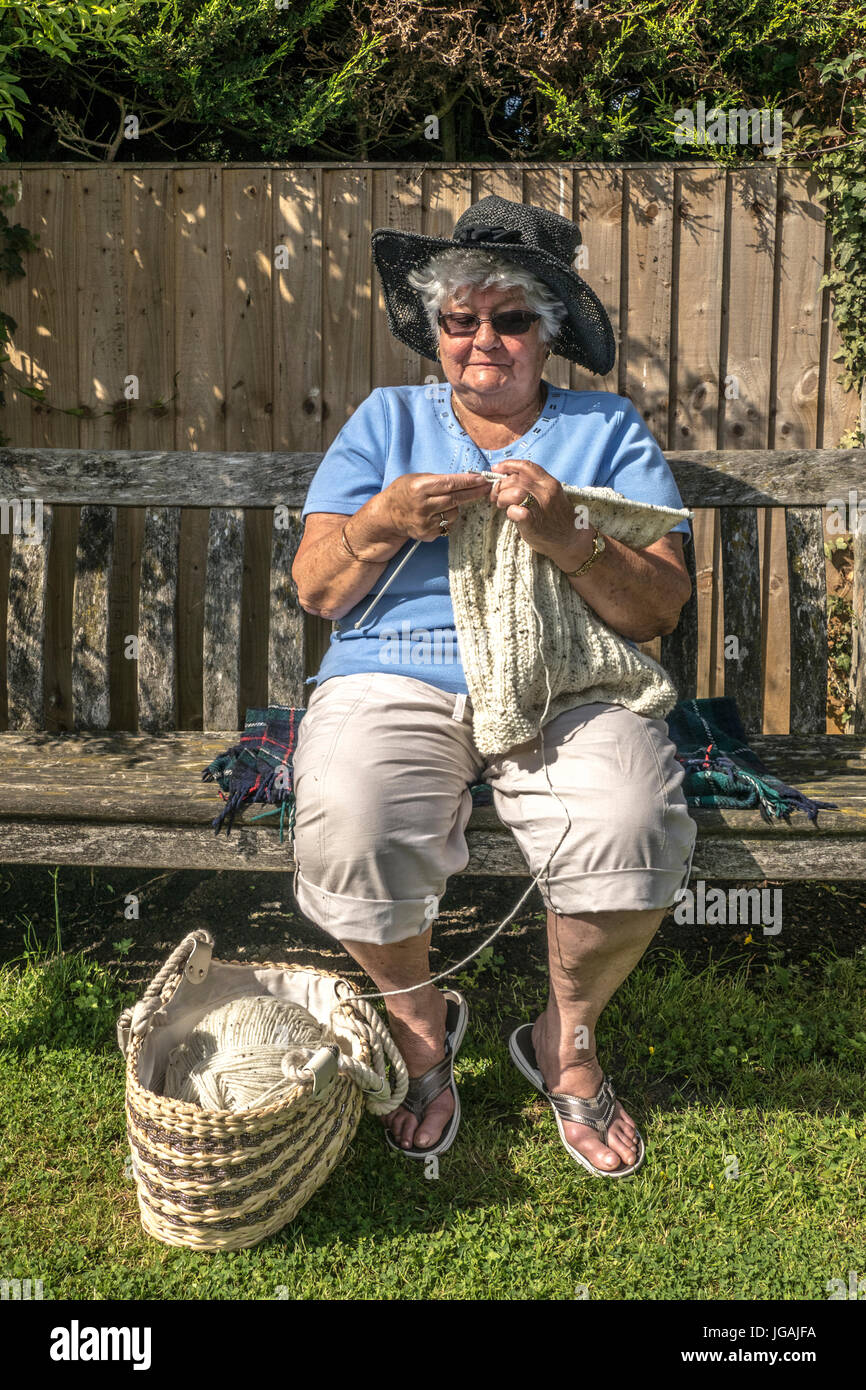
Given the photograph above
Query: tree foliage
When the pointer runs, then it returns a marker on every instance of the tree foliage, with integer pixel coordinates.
(359, 79)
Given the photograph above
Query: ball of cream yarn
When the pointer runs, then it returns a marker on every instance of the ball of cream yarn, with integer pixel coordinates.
(237, 1055)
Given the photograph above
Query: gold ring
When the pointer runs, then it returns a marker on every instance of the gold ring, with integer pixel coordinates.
(527, 501)
(443, 523)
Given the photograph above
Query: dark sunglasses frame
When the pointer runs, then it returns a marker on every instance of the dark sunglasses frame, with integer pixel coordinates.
(500, 323)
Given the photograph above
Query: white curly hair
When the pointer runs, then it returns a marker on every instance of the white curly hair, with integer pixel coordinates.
(455, 269)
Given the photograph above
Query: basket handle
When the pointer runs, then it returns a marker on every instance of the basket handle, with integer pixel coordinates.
(362, 1022)
(192, 957)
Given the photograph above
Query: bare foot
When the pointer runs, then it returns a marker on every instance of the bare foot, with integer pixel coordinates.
(583, 1079)
(418, 1029)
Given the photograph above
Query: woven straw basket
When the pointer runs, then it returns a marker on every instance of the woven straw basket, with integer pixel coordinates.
(222, 1179)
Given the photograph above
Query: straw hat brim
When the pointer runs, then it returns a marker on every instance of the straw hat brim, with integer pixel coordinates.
(585, 337)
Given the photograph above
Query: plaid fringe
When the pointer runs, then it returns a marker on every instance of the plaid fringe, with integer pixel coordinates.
(724, 770)
(721, 769)
(258, 768)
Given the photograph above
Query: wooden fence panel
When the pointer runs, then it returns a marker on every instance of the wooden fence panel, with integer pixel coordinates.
(447, 195)
(646, 342)
(299, 273)
(247, 305)
(53, 275)
(346, 315)
(600, 194)
(697, 298)
(396, 202)
(23, 301)
(554, 189)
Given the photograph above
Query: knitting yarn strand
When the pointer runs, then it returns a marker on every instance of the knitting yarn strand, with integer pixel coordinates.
(387, 993)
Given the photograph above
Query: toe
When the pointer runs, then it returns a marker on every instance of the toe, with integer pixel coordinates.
(407, 1135)
(402, 1125)
(586, 1142)
(622, 1138)
(620, 1150)
(435, 1121)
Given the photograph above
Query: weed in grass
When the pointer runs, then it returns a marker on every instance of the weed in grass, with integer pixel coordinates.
(53, 999)
(484, 961)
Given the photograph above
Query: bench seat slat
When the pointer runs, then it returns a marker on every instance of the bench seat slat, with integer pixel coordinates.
(739, 858)
(133, 800)
(110, 794)
(806, 756)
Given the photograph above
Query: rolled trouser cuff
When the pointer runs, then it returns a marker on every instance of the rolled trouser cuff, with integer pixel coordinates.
(617, 890)
(379, 922)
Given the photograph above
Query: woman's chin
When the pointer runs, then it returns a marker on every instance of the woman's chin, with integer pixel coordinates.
(485, 378)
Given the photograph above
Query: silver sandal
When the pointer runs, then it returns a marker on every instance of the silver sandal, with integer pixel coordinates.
(424, 1089)
(597, 1112)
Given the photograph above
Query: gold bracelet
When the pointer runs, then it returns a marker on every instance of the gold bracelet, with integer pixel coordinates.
(345, 539)
(598, 548)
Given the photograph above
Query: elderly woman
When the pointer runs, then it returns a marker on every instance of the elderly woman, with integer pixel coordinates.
(386, 756)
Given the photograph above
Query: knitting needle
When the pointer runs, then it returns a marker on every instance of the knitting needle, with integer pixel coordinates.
(492, 477)
(407, 556)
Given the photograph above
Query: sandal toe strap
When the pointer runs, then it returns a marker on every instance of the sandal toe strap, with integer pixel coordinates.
(597, 1112)
(424, 1089)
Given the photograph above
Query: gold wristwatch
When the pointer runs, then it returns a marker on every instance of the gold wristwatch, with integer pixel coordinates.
(597, 548)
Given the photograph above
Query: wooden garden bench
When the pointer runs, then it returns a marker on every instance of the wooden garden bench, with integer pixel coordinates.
(88, 777)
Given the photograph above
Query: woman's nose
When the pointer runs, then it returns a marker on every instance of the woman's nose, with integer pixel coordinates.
(486, 338)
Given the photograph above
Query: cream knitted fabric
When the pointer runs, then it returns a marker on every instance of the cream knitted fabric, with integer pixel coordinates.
(492, 573)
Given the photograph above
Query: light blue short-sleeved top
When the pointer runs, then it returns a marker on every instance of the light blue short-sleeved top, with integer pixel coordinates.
(586, 438)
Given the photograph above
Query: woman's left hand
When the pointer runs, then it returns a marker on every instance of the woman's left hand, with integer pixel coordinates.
(546, 521)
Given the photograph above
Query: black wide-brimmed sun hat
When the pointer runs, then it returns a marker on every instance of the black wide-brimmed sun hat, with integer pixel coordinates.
(541, 241)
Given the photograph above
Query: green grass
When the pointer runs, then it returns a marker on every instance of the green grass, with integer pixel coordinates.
(759, 1065)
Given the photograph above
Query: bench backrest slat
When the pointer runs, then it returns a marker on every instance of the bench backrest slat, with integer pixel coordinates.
(807, 596)
(679, 650)
(25, 635)
(222, 618)
(742, 610)
(134, 478)
(157, 620)
(90, 616)
(858, 654)
(286, 645)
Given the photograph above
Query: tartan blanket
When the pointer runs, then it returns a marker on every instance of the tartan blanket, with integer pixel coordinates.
(711, 743)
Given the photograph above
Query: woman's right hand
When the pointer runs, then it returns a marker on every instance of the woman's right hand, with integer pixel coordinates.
(414, 502)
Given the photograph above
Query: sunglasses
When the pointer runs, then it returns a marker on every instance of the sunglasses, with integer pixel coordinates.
(510, 323)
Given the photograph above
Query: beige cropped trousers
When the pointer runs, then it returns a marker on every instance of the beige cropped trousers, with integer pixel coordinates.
(382, 770)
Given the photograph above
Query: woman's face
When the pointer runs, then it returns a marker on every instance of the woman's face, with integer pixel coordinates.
(488, 371)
